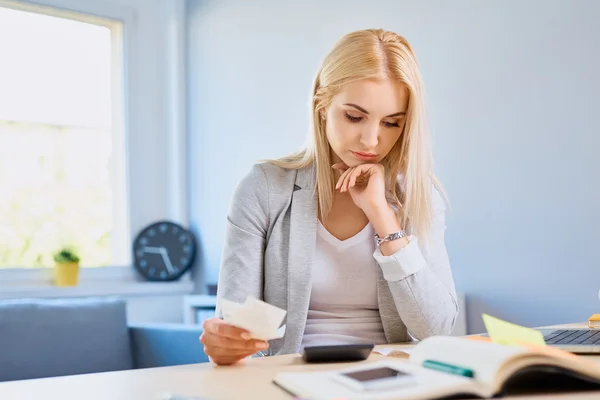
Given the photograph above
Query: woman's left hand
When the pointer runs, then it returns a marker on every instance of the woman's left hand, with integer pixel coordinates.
(365, 183)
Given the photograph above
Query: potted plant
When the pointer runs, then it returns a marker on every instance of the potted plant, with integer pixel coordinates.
(66, 271)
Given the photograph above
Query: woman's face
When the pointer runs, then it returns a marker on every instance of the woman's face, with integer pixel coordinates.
(365, 119)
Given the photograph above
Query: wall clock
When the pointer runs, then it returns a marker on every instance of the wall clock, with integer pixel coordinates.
(163, 251)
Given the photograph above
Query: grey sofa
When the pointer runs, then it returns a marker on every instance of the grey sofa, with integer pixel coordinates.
(55, 337)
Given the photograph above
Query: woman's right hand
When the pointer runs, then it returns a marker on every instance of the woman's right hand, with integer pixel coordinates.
(225, 344)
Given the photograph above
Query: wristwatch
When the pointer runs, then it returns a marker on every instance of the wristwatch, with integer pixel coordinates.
(390, 237)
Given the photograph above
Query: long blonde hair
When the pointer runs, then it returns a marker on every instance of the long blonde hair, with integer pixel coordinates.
(379, 54)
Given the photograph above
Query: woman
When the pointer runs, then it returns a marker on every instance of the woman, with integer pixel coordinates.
(347, 235)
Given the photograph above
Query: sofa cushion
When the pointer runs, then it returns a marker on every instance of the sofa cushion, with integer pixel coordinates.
(55, 337)
(161, 345)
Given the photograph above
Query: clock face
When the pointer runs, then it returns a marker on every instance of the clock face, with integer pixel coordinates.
(163, 251)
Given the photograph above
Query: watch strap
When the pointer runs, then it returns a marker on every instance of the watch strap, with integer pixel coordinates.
(390, 237)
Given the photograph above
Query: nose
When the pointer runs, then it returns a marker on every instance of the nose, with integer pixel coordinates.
(370, 137)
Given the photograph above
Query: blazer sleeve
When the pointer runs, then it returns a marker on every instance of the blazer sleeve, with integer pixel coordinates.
(241, 271)
(421, 282)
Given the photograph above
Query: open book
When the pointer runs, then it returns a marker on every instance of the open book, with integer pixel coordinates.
(496, 370)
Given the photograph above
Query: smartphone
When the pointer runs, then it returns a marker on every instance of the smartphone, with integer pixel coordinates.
(377, 378)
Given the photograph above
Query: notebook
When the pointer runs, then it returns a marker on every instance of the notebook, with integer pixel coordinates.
(497, 370)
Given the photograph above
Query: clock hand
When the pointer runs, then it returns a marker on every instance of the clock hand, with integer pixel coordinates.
(150, 249)
(167, 260)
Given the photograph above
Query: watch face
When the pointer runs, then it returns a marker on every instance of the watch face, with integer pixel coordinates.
(163, 251)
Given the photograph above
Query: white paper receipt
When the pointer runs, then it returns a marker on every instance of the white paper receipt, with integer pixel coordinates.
(387, 351)
(261, 319)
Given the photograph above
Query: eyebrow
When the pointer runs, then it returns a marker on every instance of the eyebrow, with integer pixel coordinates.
(359, 108)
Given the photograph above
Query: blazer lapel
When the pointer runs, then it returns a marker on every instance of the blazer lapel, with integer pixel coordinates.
(302, 240)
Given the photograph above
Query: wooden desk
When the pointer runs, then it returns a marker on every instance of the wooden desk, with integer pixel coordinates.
(250, 379)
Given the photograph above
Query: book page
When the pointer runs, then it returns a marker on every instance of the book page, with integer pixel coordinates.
(484, 358)
(428, 384)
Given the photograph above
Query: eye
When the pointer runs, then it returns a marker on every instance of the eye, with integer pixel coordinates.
(352, 119)
(391, 124)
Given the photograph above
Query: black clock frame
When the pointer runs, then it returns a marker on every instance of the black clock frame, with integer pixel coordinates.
(143, 271)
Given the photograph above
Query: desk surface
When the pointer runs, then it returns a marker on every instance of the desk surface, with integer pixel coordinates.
(204, 381)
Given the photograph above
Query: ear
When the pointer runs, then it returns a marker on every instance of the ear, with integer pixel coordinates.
(322, 114)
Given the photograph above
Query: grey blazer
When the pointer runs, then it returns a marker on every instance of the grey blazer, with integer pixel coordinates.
(268, 254)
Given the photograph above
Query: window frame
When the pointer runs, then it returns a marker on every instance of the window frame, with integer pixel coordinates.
(139, 199)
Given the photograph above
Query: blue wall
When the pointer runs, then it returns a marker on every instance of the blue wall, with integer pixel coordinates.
(513, 94)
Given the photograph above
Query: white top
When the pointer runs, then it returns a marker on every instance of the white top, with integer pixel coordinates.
(343, 305)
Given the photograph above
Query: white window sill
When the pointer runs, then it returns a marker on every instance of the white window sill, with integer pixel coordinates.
(106, 281)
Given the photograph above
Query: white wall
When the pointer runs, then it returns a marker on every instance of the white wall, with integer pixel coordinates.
(157, 308)
(513, 89)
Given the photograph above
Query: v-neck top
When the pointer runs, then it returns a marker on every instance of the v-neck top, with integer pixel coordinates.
(343, 306)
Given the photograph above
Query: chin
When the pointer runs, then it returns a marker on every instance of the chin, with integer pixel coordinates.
(352, 162)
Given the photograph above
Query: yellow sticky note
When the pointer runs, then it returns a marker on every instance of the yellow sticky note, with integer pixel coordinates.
(503, 332)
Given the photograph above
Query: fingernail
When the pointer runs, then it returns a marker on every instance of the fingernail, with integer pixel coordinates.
(246, 336)
(262, 346)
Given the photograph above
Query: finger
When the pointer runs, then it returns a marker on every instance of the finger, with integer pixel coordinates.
(209, 339)
(222, 352)
(340, 166)
(219, 327)
(226, 360)
(347, 178)
(341, 179)
(357, 173)
(217, 351)
(344, 177)
(361, 177)
(354, 176)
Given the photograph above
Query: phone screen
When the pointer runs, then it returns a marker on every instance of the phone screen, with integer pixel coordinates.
(370, 375)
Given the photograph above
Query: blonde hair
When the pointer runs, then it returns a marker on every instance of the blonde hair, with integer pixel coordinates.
(378, 54)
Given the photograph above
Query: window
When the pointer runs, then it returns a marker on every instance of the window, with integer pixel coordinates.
(62, 164)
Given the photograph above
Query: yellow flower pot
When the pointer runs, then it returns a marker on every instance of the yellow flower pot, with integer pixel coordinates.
(66, 274)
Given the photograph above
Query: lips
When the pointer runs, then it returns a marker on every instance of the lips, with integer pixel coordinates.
(364, 156)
